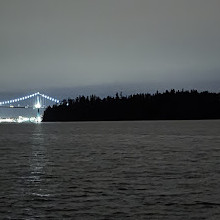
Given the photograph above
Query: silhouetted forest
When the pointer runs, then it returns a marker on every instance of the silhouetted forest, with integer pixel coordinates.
(170, 105)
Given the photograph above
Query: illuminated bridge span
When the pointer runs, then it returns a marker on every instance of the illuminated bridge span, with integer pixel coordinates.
(36, 101)
(39, 101)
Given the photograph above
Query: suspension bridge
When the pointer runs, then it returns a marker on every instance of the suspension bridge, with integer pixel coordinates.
(33, 101)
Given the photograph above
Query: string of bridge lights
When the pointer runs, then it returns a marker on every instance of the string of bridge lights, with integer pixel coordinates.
(28, 97)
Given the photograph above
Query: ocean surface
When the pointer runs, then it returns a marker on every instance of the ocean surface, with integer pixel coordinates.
(110, 170)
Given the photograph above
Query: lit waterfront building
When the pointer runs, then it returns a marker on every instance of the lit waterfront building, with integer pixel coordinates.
(7, 120)
(21, 119)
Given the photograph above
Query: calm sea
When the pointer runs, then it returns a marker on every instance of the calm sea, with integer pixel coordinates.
(110, 170)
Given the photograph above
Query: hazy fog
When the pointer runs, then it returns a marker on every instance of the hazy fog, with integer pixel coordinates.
(48, 44)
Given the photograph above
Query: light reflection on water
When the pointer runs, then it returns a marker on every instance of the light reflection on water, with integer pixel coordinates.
(38, 159)
(110, 170)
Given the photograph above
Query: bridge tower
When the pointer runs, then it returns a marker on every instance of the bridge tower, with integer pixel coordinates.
(38, 106)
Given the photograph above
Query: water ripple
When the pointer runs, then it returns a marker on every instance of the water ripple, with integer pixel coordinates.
(110, 170)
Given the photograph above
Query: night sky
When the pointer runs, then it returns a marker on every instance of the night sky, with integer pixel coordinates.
(102, 45)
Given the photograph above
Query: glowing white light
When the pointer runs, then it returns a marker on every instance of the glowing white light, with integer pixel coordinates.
(6, 120)
(39, 119)
(38, 105)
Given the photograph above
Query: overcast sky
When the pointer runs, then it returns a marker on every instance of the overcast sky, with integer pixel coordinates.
(79, 43)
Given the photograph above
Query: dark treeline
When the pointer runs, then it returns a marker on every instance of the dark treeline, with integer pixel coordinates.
(170, 105)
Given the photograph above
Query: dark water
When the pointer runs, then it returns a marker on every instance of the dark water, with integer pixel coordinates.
(110, 170)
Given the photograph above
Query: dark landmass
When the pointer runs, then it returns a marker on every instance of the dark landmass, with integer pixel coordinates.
(170, 105)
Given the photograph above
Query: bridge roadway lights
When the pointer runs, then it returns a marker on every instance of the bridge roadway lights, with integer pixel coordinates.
(38, 106)
(37, 94)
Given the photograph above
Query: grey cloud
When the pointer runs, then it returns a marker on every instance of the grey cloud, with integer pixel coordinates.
(51, 43)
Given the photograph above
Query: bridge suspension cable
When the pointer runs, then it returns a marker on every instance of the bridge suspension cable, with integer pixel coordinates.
(28, 97)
